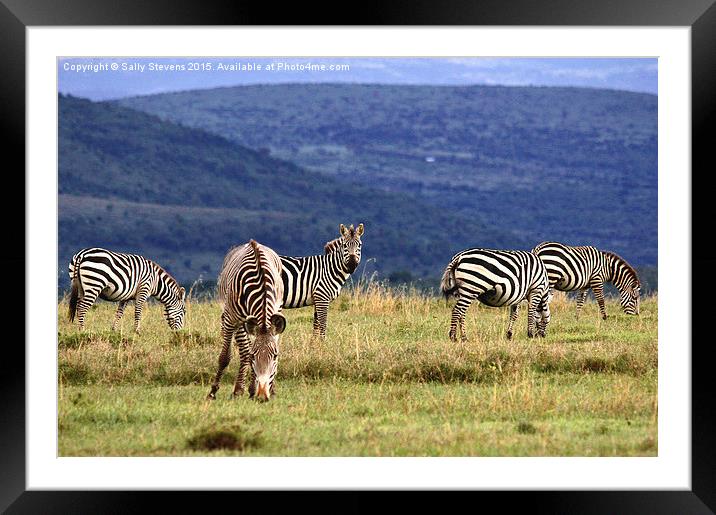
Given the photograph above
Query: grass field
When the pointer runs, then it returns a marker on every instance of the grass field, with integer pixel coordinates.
(386, 382)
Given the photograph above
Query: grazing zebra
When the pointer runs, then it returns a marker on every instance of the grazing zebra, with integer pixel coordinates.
(118, 277)
(318, 280)
(251, 291)
(582, 268)
(498, 278)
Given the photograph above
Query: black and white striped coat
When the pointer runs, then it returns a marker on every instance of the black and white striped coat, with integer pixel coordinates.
(119, 277)
(498, 278)
(572, 268)
(317, 280)
(251, 291)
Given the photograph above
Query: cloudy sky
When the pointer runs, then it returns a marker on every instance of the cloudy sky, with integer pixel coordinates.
(105, 78)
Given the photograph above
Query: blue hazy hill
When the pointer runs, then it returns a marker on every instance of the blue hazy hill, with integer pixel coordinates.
(577, 165)
(182, 196)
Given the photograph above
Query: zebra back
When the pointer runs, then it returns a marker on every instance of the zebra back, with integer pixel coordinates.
(250, 283)
(570, 268)
(124, 271)
(497, 277)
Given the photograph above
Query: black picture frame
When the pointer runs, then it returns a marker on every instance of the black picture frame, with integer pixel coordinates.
(700, 15)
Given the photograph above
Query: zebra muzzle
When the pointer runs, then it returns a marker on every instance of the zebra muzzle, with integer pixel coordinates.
(262, 392)
(352, 263)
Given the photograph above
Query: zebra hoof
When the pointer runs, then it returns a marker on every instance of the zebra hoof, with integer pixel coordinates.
(509, 335)
(211, 397)
(604, 317)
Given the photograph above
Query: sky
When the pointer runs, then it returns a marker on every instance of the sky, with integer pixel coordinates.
(111, 78)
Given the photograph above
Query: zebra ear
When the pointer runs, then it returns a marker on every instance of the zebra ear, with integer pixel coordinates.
(359, 231)
(182, 293)
(343, 230)
(252, 326)
(278, 322)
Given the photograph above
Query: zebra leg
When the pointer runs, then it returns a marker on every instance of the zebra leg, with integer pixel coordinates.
(598, 290)
(581, 299)
(252, 383)
(118, 316)
(83, 305)
(545, 317)
(272, 387)
(320, 317)
(458, 318)
(139, 300)
(514, 311)
(532, 302)
(243, 344)
(227, 333)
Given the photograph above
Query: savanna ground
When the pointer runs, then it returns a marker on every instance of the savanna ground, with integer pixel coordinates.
(386, 382)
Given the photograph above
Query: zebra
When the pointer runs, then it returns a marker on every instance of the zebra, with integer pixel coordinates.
(318, 280)
(251, 291)
(498, 278)
(581, 268)
(119, 277)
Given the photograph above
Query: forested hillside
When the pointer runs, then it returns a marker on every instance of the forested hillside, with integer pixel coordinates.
(132, 182)
(572, 164)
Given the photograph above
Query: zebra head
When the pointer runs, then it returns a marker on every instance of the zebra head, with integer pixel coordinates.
(175, 309)
(625, 278)
(264, 352)
(350, 246)
(629, 298)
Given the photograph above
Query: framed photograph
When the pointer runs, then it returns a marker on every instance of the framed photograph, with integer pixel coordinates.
(406, 154)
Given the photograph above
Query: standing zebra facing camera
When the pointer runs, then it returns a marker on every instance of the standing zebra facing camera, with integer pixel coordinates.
(498, 278)
(581, 268)
(119, 277)
(318, 280)
(251, 291)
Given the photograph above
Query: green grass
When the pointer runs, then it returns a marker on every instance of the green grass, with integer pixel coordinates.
(386, 382)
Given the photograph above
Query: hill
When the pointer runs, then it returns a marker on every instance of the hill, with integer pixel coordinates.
(572, 164)
(182, 196)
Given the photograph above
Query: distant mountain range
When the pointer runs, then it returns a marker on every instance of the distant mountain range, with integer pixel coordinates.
(572, 164)
(131, 182)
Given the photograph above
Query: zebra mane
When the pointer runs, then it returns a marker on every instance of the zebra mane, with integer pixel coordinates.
(169, 279)
(332, 246)
(262, 278)
(612, 256)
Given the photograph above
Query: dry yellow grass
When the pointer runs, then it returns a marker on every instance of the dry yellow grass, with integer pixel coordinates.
(589, 388)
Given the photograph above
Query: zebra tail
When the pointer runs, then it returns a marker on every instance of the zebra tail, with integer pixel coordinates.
(74, 297)
(76, 291)
(448, 285)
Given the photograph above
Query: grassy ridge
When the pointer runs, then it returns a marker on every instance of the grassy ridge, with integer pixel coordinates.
(387, 381)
